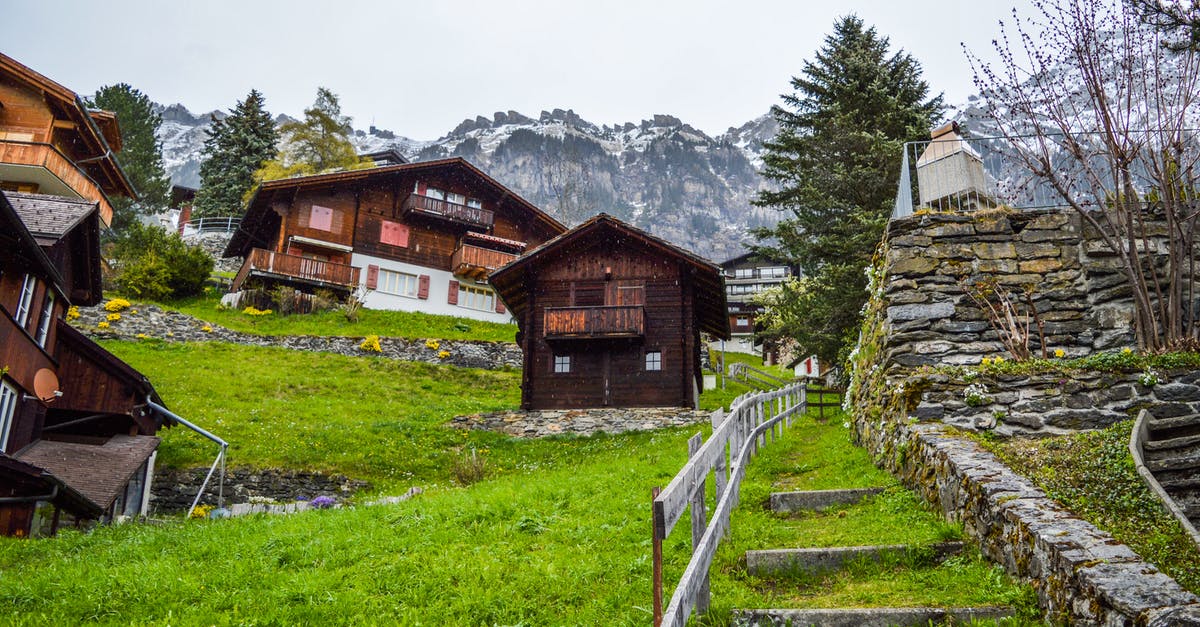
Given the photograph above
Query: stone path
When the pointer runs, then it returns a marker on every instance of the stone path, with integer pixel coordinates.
(154, 322)
(542, 423)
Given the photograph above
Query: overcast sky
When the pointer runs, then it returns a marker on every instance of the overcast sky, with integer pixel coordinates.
(419, 68)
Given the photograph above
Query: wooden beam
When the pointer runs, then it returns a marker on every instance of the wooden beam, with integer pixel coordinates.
(66, 124)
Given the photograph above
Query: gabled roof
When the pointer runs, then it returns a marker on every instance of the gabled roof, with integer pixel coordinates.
(18, 244)
(28, 480)
(708, 280)
(49, 218)
(259, 205)
(98, 472)
(85, 122)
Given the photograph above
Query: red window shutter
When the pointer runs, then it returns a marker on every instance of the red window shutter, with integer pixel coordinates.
(499, 305)
(393, 233)
(421, 188)
(423, 286)
(372, 277)
(452, 298)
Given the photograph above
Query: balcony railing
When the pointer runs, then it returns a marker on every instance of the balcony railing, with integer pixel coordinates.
(595, 322)
(56, 163)
(985, 172)
(295, 269)
(477, 262)
(472, 217)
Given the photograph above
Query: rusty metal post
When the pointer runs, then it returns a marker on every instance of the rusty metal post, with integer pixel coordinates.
(658, 566)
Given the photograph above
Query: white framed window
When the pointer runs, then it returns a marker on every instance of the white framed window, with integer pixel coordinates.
(480, 298)
(43, 330)
(435, 193)
(774, 272)
(399, 283)
(475, 203)
(25, 303)
(653, 360)
(457, 199)
(562, 363)
(743, 273)
(742, 321)
(8, 409)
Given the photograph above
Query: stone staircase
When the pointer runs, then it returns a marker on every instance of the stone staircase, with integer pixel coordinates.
(1171, 452)
(810, 561)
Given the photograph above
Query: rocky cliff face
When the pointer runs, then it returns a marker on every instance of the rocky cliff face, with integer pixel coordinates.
(660, 174)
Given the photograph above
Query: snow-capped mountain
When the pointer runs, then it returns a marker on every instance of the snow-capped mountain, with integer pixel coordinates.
(660, 174)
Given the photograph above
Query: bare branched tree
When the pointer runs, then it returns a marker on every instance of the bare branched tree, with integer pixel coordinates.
(1093, 103)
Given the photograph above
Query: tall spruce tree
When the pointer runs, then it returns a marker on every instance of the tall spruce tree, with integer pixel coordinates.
(235, 149)
(141, 152)
(836, 160)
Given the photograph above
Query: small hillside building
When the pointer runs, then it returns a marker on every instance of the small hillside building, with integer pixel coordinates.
(746, 276)
(412, 236)
(611, 316)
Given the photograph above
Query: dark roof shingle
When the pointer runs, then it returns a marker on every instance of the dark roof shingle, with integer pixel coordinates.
(98, 472)
(48, 216)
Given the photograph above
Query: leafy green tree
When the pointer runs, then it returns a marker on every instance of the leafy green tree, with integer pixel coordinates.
(318, 143)
(235, 149)
(155, 264)
(836, 161)
(141, 153)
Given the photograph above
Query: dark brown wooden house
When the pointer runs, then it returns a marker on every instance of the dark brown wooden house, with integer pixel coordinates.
(611, 316)
(77, 437)
(414, 236)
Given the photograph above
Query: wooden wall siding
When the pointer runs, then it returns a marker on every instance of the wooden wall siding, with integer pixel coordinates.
(24, 111)
(341, 229)
(20, 353)
(89, 387)
(16, 519)
(477, 262)
(594, 322)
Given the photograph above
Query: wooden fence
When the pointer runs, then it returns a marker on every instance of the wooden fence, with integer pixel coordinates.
(735, 440)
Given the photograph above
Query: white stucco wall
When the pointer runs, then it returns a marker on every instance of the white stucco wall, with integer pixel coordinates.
(439, 290)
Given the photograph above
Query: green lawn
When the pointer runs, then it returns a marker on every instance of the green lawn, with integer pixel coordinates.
(404, 324)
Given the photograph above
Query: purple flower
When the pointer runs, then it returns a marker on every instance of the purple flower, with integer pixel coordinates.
(323, 502)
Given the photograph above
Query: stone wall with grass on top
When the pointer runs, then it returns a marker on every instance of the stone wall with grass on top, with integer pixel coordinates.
(173, 490)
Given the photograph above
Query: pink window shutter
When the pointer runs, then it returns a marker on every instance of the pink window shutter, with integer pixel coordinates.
(452, 297)
(372, 277)
(423, 286)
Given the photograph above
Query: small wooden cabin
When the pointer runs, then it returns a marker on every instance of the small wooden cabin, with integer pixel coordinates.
(611, 316)
(413, 236)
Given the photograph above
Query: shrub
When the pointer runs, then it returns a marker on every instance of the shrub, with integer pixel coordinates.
(155, 264)
(370, 344)
(469, 467)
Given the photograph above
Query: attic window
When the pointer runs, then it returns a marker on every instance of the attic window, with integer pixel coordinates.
(321, 218)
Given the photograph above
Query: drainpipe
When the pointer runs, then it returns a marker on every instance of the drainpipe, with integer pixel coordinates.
(5, 500)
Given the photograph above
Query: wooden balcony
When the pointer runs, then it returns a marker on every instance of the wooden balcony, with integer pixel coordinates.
(563, 323)
(472, 217)
(51, 170)
(476, 262)
(296, 270)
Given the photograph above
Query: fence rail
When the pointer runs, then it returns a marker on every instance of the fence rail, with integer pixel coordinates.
(735, 440)
(225, 224)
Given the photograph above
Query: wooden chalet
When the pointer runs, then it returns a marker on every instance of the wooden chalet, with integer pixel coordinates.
(611, 316)
(77, 436)
(415, 236)
(51, 143)
(746, 276)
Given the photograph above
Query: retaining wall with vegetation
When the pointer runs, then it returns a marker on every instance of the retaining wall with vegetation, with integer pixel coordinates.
(174, 490)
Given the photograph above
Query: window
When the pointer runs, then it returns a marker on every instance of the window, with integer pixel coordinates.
(744, 273)
(776, 272)
(475, 203)
(26, 300)
(321, 218)
(457, 199)
(398, 283)
(653, 360)
(43, 330)
(562, 363)
(479, 298)
(743, 321)
(421, 189)
(393, 233)
(8, 408)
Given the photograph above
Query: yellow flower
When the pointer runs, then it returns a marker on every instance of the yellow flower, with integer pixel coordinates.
(72, 313)
(370, 344)
(132, 311)
(1126, 351)
(103, 324)
(113, 317)
(986, 361)
(206, 329)
(252, 311)
(1060, 353)
(116, 304)
(141, 336)
(443, 354)
(432, 344)
(999, 360)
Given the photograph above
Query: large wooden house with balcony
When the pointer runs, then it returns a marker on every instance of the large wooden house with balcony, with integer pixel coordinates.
(746, 276)
(413, 236)
(611, 316)
(51, 143)
(77, 433)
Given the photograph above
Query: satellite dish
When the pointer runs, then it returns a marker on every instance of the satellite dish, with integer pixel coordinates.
(45, 385)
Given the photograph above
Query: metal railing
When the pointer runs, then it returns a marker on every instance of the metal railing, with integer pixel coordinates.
(735, 440)
(471, 216)
(986, 172)
(225, 224)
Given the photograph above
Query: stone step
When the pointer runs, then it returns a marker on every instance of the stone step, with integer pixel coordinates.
(1171, 445)
(812, 561)
(1171, 428)
(871, 617)
(1173, 486)
(1174, 463)
(818, 499)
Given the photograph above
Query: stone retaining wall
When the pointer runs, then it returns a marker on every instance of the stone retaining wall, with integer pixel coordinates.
(154, 322)
(548, 422)
(1082, 575)
(1077, 284)
(1050, 404)
(173, 490)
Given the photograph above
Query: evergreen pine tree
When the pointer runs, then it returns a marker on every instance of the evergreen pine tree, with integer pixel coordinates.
(141, 152)
(235, 149)
(836, 160)
(319, 142)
